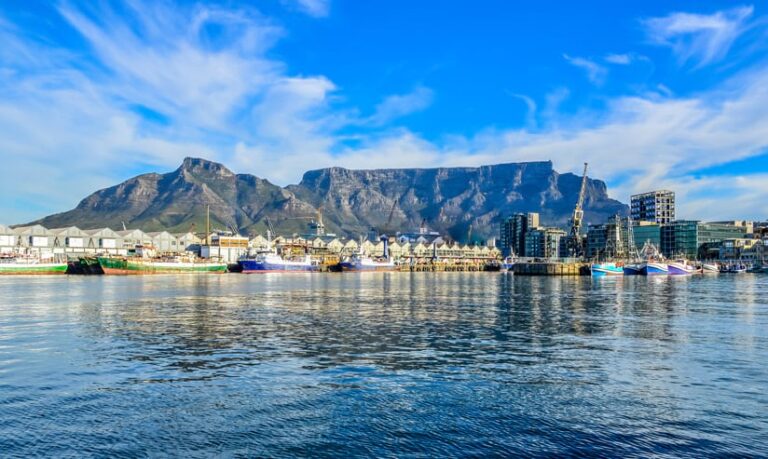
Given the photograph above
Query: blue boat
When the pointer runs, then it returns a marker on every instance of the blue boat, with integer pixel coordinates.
(653, 269)
(635, 269)
(606, 269)
(271, 262)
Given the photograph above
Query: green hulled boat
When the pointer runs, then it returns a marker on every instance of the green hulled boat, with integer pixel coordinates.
(129, 265)
(24, 265)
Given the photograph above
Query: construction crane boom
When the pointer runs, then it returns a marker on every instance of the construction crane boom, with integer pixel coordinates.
(576, 248)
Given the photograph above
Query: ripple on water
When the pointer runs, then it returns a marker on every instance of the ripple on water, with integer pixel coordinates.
(388, 364)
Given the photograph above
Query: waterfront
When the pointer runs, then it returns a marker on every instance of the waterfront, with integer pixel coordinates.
(422, 364)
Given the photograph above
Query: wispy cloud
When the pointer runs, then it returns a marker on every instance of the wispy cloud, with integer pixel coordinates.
(400, 105)
(316, 8)
(220, 95)
(595, 72)
(619, 59)
(699, 38)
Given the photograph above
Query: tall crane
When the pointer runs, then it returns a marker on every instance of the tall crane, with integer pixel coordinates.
(576, 248)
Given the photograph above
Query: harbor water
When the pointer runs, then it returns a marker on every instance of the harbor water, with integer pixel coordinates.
(383, 364)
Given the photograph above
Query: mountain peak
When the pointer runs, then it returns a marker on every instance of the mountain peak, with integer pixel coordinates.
(449, 199)
(197, 166)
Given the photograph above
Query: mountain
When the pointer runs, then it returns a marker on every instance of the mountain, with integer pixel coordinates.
(449, 199)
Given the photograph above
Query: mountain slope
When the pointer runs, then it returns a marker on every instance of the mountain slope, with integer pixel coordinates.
(351, 201)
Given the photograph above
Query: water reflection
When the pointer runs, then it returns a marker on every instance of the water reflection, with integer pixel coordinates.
(383, 364)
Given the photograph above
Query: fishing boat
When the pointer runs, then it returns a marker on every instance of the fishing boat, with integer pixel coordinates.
(633, 269)
(651, 268)
(606, 269)
(159, 265)
(272, 262)
(710, 268)
(508, 265)
(736, 268)
(681, 268)
(23, 264)
(359, 262)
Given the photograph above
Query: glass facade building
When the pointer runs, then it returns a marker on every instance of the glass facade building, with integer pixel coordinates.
(513, 231)
(654, 206)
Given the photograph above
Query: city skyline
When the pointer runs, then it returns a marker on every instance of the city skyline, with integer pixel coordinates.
(95, 94)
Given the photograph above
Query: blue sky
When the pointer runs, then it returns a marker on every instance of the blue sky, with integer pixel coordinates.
(652, 95)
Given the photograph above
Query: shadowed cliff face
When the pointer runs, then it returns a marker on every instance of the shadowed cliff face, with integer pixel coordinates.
(351, 201)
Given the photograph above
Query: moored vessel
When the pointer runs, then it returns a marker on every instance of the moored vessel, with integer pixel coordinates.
(22, 264)
(363, 263)
(652, 268)
(606, 269)
(710, 268)
(161, 265)
(633, 269)
(508, 265)
(681, 268)
(272, 262)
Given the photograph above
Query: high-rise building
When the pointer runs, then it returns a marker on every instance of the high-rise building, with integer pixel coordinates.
(654, 206)
(513, 230)
(544, 243)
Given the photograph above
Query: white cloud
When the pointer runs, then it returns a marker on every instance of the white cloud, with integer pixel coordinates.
(400, 105)
(703, 38)
(595, 72)
(315, 8)
(68, 129)
(619, 59)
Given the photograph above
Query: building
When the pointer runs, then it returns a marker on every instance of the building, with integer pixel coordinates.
(104, 240)
(513, 230)
(646, 232)
(654, 206)
(684, 238)
(187, 242)
(8, 240)
(164, 241)
(35, 239)
(544, 242)
(70, 240)
(225, 246)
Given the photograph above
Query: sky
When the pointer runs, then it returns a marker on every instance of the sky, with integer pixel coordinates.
(652, 94)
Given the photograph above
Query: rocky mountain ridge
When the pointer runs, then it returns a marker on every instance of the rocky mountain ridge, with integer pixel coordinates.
(456, 201)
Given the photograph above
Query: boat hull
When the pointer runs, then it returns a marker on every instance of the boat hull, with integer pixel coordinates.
(32, 268)
(254, 266)
(710, 269)
(606, 270)
(122, 266)
(680, 269)
(633, 270)
(655, 269)
(357, 267)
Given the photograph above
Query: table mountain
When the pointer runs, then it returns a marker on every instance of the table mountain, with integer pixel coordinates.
(448, 199)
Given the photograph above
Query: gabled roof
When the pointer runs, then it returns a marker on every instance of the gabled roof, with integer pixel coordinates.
(134, 233)
(32, 229)
(101, 232)
(69, 231)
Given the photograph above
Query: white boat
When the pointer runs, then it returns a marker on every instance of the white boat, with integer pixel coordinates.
(359, 262)
(710, 268)
(508, 265)
(681, 268)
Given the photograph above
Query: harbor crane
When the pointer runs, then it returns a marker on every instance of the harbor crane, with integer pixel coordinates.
(575, 243)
